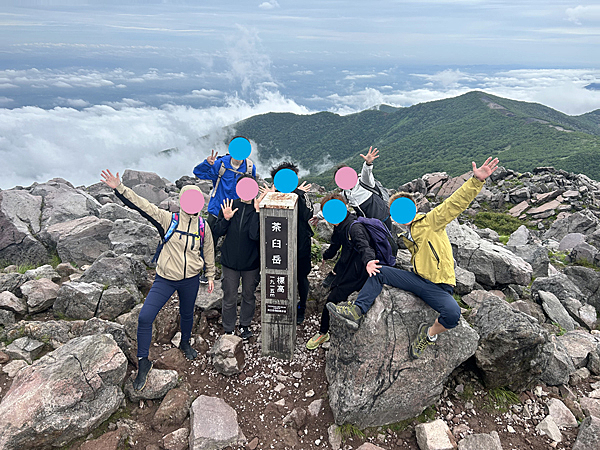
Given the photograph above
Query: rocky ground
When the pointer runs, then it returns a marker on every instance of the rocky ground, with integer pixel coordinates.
(522, 369)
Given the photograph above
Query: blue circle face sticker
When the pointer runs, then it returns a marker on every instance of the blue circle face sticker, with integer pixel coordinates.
(403, 210)
(335, 211)
(286, 180)
(240, 148)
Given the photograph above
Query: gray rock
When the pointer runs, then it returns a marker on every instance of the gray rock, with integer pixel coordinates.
(579, 344)
(158, 384)
(134, 237)
(520, 237)
(434, 436)
(531, 309)
(594, 361)
(96, 326)
(481, 442)
(534, 254)
(117, 270)
(213, 425)
(176, 440)
(14, 367)
(151, 193)
(228, 355)
(555, 310)
(45, 271)
(560, 366)
(488, 234)
(588, 282)
(7, 318)
(213, 300)
(113, 212)
(78, 300)
(372, 379)
(562, 416)
(590, 406)
(465, 281)
(172, 410)
(39, 294)
(297, 418)
(588, 437)
(12, 282)
(594, 239)
(117, 300)
(130, 322)
(132, 178)
(579, 376)
(570, 241)
(55, 333)
(513, 349)
(477, 298)
(580, 222)
(549, 428)
(65, 270)
(315, 407)
(492, 264)
(24, 348)
(81, 241)
(335, 437)
(560, 285)
(64, 395)
(589, 316)
(20, 223)
(11, 302)
(583, 252)
(324, 230)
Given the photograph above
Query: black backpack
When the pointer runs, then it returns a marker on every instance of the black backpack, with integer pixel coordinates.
(385, 245)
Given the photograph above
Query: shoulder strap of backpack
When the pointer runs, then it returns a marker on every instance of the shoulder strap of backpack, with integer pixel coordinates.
(201, 228)
(168, 234)
(222, 170)
(374, 190)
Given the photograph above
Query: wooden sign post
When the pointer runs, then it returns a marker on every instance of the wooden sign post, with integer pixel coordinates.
(278, 293)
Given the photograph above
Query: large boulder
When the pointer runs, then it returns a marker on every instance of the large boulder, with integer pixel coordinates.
(39, 294)
(12, 282)
(213, 425)
(492, 264)
(560, 366)
(64, 395)
(556, 311)
(588, 437)
(11, 302)
(132, 178)
(81, 240)
(560, 285)
(372, 379)
(111, 269)
(588, 282)
(513, 349)
(534, 254)
(54, 332)
(63, 203)
(78, 300)
(580, 222)
(137, 238)
(96, 326)
(45, 271)
(19, 225)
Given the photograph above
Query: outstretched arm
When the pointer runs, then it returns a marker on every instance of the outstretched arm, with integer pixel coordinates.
(366, 176)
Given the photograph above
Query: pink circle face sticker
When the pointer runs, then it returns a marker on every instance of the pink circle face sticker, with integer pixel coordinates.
(247, 188)
(191, 201)
(346, 178)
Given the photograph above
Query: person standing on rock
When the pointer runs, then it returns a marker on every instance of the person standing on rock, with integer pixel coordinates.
(178, 268)
(223, 171)
(432, 277)
(357, 253)
(238, 221)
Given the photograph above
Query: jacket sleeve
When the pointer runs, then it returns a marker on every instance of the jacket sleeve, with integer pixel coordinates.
(254, 226)
(206, 171)
(305, 207)
(360, 239)
(209, 253)
(445, 213)
(160, 218)
(336, 243)
(366, 176)
(221, 225)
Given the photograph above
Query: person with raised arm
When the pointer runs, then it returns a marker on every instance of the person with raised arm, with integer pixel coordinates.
(186, 247)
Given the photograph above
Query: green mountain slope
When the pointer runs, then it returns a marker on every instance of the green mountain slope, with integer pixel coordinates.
(444, 135)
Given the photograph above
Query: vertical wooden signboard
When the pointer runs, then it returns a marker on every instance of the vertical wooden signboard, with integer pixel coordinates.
(278, 293)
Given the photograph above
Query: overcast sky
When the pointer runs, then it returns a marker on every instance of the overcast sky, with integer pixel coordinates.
(95, 77)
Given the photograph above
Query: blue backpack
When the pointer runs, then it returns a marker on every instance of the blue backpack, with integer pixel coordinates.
(173, 229)
(385, 245)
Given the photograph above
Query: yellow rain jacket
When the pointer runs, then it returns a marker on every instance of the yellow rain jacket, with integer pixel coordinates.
(430, 247)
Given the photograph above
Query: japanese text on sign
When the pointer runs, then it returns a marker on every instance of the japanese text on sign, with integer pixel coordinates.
(277, 286)
(276, 236)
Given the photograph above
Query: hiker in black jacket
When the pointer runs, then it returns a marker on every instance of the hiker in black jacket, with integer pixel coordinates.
(353, 266)
(238, 221)
(305, 232)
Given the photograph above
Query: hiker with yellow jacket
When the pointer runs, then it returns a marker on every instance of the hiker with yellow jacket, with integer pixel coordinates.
(432, 277)
(180, 261)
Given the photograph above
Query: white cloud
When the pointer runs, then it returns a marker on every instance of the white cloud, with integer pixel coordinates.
(580, 13)
(271, 4)
(248, 63)
(5, 101)
(74, 103)
(447, 78)
(8, 86)
(39, 144)
(360, 77)
(206, 93)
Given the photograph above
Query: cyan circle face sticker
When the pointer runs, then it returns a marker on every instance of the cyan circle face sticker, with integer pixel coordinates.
(240, 148)
(335, 211)
(403, 210)
(346, 178)
(286, 180)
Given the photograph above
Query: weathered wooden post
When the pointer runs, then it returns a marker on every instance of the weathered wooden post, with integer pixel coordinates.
(278, 293)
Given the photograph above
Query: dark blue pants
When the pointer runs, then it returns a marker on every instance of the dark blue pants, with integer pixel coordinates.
(159, 294)
(438, 296)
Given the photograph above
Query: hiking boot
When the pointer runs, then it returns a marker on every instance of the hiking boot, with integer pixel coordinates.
(348, 312)
(144, 368)
(420, 343)
(246, 333)
(299, 317)
(203, 280)
(317, 340)
(187, 350)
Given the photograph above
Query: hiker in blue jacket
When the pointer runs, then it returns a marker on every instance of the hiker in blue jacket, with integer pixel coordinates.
(224, 172)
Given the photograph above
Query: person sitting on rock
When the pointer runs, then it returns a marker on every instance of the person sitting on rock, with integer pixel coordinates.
(356, 262)
(432, 277)
(240, 258)
(178, 267)
(305, 233)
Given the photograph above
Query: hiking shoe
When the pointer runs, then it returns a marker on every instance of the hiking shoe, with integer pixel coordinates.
(299, 317)
(317, 340)
(231, 333)
(420, 343)
(246, 333)
(144, 368)
(188, 351)
(348, 312)
(203, 280)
